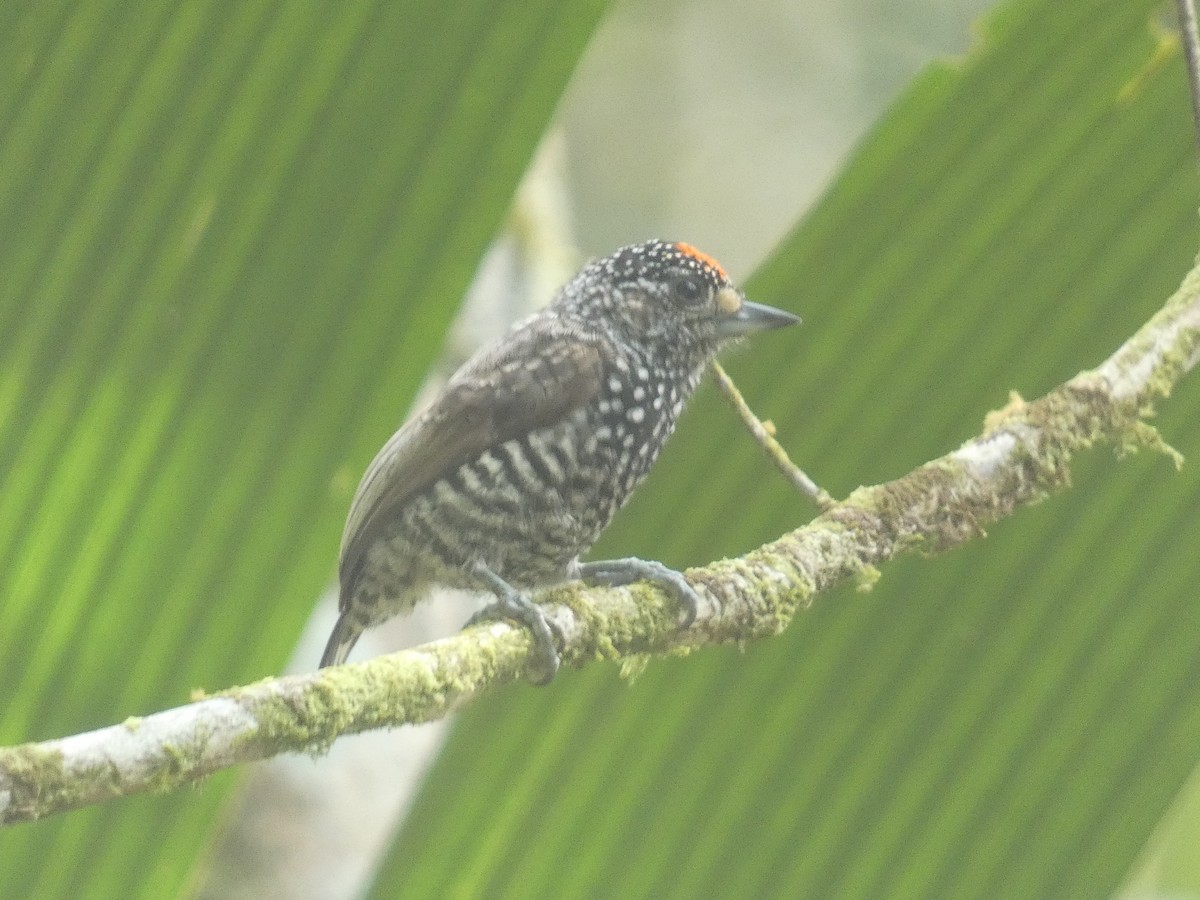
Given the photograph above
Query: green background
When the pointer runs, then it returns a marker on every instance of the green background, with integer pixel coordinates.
(232, 236)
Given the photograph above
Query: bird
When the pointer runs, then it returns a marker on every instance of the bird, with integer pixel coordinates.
(512, 472)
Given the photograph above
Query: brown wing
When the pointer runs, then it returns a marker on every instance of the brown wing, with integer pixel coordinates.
(525, 383)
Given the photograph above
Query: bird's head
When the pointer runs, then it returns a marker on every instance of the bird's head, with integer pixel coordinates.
(666, 296)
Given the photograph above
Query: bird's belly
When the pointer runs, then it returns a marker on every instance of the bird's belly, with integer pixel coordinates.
(527, 509)
(526, 528)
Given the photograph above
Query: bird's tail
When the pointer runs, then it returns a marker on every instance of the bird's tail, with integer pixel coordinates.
(341, 642)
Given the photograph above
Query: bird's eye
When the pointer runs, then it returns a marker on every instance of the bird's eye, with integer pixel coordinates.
(688, 289)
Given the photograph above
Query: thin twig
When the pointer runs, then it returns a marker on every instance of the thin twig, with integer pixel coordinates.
(1191, 52)
(763, 434)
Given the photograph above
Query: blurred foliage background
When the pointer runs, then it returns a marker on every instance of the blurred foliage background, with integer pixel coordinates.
(232, 237)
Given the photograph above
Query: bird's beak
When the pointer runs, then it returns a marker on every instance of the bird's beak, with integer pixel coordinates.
(742, 317)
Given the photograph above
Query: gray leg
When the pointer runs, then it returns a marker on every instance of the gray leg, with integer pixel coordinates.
(618, 572)
(512, 604)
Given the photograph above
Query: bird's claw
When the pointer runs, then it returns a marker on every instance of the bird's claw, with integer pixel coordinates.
(513, 605)
(620, 572)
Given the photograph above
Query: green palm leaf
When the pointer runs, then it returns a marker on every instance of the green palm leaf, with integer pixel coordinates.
(232, 236)
(1010, 720)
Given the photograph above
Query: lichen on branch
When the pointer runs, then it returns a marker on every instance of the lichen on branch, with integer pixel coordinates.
(1022, 455)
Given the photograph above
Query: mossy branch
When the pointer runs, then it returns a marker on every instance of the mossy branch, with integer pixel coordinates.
(1021, 456)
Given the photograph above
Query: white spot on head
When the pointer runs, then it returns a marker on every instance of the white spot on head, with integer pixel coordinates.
(643, 373)
(636, 415)
(639, 393)
(728, 301)
(614, 384)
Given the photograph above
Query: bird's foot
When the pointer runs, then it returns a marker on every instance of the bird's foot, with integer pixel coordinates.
(620, 572)
(513, 605)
